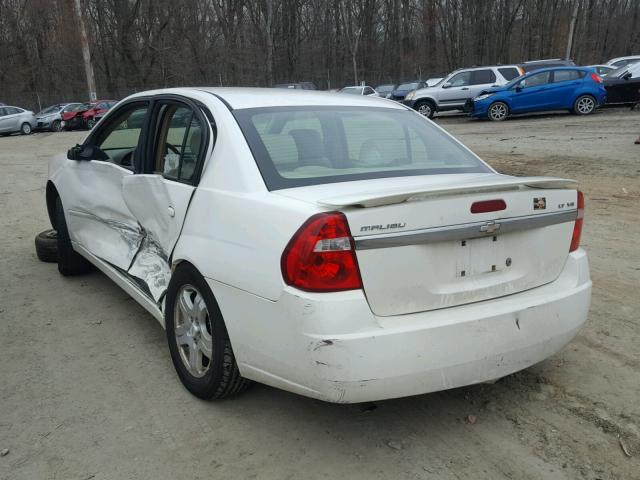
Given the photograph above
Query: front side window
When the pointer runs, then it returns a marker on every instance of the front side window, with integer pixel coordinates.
(536, 80)
(298, 146)
(119, 138)
(179, 143)
(461, 79)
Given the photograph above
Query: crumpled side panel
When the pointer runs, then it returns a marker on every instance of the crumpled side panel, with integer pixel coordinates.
(151, 265)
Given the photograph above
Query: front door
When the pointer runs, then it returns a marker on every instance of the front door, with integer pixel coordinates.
(531, 94)
(97, 216)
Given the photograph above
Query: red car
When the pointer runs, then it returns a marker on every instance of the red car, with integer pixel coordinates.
(85, 115)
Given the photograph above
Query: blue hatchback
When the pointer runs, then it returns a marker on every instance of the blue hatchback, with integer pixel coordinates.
(577, 89)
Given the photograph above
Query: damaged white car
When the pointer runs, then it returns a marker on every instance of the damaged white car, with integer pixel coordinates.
(340, 247)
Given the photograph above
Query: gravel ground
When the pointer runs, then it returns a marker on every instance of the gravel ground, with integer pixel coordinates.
(88, 391)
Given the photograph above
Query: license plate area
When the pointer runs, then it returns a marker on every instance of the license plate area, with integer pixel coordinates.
(479, 256)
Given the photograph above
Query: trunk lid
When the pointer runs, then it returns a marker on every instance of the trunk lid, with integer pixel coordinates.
(420, 248)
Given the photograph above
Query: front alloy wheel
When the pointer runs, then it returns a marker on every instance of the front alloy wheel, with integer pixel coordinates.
(192, 331)
(498, 111)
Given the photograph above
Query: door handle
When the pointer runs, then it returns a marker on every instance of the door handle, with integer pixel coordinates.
(171, 211)
(464, 88)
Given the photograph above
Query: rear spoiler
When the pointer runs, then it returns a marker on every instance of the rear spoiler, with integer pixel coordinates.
(398, 195)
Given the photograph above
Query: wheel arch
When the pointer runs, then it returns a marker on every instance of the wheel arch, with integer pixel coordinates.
(432, 100)
(51, 194)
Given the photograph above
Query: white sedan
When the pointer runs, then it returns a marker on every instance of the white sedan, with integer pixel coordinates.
(341, 247)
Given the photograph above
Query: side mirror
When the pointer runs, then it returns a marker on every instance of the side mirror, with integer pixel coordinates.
(86, 153)
(518, 89)
(627, 76)
(447, 85)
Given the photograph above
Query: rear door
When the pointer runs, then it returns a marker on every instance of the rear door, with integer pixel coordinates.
(159, 198)
(481, 80)
(4, 120)
(562, 88)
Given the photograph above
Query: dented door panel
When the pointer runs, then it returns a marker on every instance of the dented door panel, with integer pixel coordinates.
(160, 206)
(97, 217)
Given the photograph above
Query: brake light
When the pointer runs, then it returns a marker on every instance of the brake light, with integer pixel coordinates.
(596, 78)
(321, 257)
(577, 227)
(488, 206)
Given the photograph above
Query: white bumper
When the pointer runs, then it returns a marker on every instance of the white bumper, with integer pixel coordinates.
(332, 347)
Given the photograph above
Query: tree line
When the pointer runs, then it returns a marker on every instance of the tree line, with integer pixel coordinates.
(143, 44)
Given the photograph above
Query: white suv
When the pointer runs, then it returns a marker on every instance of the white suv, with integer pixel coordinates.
(456, 88)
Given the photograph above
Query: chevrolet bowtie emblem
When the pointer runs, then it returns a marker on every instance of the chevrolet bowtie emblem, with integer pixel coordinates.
(490, 227)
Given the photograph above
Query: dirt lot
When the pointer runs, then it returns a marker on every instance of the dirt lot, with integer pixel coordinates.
(87, 389)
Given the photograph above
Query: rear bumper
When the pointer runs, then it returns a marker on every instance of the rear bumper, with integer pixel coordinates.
(333, 348)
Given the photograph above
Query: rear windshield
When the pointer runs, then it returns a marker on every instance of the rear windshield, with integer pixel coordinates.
(300, 146)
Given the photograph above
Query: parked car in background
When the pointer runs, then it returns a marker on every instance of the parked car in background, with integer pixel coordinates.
(297, 86)
(51, 117)
(401, 91)
(457, 87)
(385, 90)
(358, 90)
(622, 61)
(577, 89)
(532, 65)
(623, 85)
(16, 119)
(602, 69)
(83, 116)
(347, 254)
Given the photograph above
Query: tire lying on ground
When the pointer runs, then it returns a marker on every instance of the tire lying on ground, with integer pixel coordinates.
(47, 246)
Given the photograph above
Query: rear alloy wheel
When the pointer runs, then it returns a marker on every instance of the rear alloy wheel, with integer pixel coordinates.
(498, 111)
(198, 340)
(91, 123)
(25, 128)
(584, 105)
(56, 126)
(426, 108)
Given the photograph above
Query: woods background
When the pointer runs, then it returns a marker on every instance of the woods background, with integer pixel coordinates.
(142, 44)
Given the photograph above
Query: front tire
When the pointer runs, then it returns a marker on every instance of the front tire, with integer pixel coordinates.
(25, 128)
(498, 112)
(198, 340)
(56, 126)
(584, 105)
(70, 262)
(426, 108)
(91, 123)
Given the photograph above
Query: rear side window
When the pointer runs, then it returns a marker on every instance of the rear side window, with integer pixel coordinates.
(481, 77)
(3, 111)
(509, 73)
(299, 146)
(179, 143)
(12, 110)
(567, 75)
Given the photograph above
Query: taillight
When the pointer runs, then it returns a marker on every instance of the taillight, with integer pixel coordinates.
(488, 206)
(321, 256)
(577, 227)
(596, 78)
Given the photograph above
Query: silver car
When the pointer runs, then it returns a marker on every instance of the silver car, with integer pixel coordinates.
(15, 119)
(51, 117)
(455, 89)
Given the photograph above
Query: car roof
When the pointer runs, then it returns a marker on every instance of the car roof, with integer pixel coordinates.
(250, 97)
(483, 67)
(555, 69)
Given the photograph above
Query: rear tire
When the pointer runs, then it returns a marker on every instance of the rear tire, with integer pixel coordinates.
(584, 105)
(426, 108)
(91, 123)
(25, 128)
(498, 111)
(192, 311)
(70, 262)
(47, 246)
